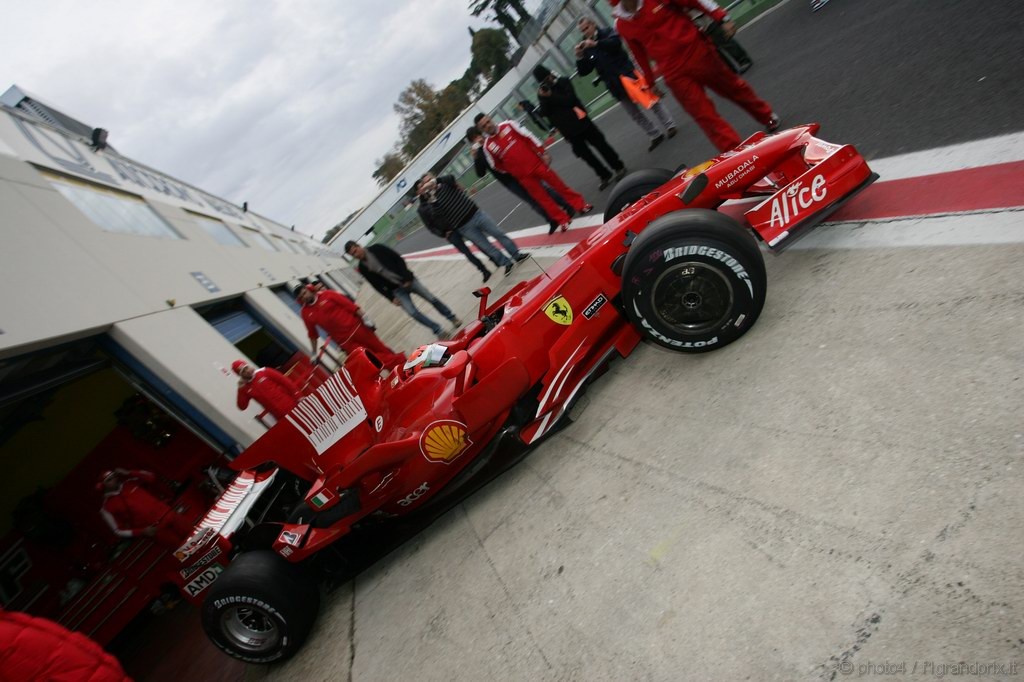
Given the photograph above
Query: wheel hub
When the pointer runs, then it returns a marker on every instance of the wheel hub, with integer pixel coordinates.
(692, 300)
(250, 628)
(692, 297)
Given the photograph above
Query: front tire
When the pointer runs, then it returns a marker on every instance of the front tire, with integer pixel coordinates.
(261, 608)
(694, 281)
(634, 186)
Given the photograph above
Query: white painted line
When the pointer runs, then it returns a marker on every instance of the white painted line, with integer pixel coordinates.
(988, 152)
(965, 229)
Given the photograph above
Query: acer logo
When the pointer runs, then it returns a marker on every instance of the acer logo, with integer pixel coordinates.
(791, 204)
(414, 495)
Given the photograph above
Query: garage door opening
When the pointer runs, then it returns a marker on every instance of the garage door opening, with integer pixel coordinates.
(260, 341)
(69, 414)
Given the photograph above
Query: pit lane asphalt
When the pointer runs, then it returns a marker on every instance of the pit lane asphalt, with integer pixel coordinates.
(888, 77)
(841, 487)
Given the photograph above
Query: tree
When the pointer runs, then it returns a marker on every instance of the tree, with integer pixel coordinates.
(425, 112)
(388, 168)
(330, 234)
(490, 54)
(502, 15)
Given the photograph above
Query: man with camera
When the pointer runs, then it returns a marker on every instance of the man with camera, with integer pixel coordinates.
(601, 50)
(560, 105)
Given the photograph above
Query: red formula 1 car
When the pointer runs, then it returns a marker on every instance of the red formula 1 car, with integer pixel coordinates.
(378, 452)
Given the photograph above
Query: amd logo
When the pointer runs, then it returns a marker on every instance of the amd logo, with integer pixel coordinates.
(204, 580)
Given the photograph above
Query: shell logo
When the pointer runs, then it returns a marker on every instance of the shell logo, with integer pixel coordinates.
(444, 441)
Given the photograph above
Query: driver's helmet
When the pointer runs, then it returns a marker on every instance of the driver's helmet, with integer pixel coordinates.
(431, 355)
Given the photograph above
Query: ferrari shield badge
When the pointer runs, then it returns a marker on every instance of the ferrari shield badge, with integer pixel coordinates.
(444, 441)
(559, 311)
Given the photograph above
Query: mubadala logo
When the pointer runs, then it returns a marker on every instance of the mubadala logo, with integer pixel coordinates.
(205, 579)
(791, 204)
(736, 173)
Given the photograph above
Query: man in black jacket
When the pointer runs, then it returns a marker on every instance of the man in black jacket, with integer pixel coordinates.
(386, 271)
(560, 105)
(601, 50)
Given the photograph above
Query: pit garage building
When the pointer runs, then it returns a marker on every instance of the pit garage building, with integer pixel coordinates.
(126, 296)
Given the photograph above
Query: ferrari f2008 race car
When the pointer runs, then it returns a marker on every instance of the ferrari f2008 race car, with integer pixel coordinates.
(378, 451)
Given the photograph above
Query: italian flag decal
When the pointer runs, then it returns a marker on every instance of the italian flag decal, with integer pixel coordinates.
(322, 498)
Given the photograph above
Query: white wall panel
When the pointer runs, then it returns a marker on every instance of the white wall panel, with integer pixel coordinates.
(267, 303)
(193, 358)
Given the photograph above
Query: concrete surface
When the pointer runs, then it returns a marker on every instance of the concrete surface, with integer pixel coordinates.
(839, 489)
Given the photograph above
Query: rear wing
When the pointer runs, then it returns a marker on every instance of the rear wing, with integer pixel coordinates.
(229, 511)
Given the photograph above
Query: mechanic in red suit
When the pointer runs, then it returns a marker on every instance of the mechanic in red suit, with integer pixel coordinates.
(342, 319)
(662, 31)
(271, 389)
(131, 510)
(510, 148)
(39, 650)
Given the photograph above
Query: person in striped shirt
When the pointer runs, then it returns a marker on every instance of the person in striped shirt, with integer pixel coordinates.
(445, 207)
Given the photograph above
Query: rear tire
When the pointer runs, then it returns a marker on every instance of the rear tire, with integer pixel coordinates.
(633, 187)
(261, 608)
(694, 281)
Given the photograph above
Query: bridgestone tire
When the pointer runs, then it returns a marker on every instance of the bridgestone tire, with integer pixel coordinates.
(634, 186)
(694, 281)
(261, 608)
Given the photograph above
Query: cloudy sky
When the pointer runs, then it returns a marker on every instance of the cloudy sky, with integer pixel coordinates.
(285, 105)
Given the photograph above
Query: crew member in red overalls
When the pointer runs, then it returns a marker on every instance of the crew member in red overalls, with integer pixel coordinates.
(271, 389)
(662, 31)
(511, 148)
(35, 649)
(342, 319)
(130, 510)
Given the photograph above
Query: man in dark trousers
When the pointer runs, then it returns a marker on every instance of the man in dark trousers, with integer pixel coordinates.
(531, 110)
(271, 389)
(601, 50)
(476, 142)
(446, 208)
(386, 271)
(342, 319)
(561, 106)
(665, 34)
